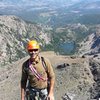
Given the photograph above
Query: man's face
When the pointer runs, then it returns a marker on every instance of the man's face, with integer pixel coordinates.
(33, 53)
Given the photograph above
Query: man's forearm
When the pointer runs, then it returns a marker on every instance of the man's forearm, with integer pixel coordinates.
(52, 82)
(22, 93)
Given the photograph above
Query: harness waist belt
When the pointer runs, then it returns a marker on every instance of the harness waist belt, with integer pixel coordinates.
(33, 88)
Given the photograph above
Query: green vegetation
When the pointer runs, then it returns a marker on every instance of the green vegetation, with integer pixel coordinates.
(66, 40)
(90, 19)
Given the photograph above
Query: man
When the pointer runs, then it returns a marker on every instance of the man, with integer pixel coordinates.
(34, 71)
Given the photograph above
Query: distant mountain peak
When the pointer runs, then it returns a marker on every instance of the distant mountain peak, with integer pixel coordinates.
(91, 45)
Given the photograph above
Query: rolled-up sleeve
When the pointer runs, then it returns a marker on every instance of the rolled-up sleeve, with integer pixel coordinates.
(50, 70)
(23, 77)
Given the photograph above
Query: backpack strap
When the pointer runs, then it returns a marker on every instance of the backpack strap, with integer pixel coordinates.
(45, 67)
(44, 64)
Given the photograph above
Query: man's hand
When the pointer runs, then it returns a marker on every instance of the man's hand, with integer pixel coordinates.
(50, 97)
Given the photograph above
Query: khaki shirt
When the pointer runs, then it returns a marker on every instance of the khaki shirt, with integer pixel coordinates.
(33, 81)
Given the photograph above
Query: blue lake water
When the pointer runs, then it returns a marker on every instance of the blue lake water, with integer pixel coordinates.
(67, 47)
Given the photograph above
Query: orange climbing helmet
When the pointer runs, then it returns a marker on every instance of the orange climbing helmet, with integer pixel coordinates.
(33, 44)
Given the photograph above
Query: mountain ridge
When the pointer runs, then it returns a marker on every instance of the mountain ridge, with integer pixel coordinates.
(34, 11)
(91, 44)
(14, 34)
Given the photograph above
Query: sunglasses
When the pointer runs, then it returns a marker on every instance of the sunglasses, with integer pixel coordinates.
(35, 50)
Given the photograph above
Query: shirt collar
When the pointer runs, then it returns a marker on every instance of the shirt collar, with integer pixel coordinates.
(37, 60)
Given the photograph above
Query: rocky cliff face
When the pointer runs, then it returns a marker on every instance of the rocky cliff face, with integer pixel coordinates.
(91, 49)
(91, 45)
(14, 33)
(95, 69)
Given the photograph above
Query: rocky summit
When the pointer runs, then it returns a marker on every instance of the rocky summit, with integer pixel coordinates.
(76, 78)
